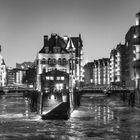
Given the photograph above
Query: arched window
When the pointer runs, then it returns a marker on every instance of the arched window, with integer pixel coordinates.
(64, 61)
(43, 61)
(49, 61)
(59, 61)
(71, 64)
(54, 61)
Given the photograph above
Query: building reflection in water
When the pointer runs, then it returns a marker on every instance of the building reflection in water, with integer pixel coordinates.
(14, 107)
(26, 107)
(102, 112)
(94, 118)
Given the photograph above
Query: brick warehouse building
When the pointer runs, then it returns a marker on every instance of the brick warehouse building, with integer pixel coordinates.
(88, 73)
(118, 65)
(2, 71)
(97, 72)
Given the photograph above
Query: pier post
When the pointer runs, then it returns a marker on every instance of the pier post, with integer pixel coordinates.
(40, 103)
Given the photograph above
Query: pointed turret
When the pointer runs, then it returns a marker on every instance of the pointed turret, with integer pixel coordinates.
(70, 45)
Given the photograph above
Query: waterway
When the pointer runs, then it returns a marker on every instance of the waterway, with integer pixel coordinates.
(97, 118)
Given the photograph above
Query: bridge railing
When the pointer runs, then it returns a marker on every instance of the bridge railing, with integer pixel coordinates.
(15, 88)
(106, 87)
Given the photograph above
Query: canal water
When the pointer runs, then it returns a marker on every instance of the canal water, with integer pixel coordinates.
(97, 118)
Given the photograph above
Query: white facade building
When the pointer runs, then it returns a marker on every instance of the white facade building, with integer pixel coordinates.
(2, 71)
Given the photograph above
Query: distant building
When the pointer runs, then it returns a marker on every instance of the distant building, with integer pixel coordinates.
(19, 75)
(101, 71)
(11, 76)
(63, 54)
(30, 77)
(15, 76)
(88, 73)
(136, 51)
(25, 73)
(129, 64)
(118, 65)
(106, 71)
(24, 65)
(2, 71)
(112, 65)
(97, 72)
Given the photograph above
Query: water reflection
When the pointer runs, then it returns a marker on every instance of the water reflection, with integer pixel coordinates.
(98, 118)
(107, 119)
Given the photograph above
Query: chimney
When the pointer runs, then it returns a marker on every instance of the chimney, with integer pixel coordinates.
(138, 19)
(45, 40)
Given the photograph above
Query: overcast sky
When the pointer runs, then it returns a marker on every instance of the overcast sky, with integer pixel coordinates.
(102, 24)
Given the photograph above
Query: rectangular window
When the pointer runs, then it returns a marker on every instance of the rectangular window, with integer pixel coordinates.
(58, 78)
(51, 78)
(47, 77)
(62, 78)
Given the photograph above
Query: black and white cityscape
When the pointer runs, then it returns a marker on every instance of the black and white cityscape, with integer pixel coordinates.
(70, 70)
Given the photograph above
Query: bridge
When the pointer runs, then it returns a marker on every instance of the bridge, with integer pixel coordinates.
(106, 89)
(16, 88)
(63, 109)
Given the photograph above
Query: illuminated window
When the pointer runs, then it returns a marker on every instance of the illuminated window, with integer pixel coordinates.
(47, 77)
(62, 78)
(59, 86)
(58, 78)
(51, 78)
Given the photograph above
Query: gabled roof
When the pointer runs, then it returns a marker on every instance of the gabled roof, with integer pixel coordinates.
(3, 62)
(64, 43)
(70, 46)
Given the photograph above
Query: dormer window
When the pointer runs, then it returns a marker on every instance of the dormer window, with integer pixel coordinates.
(56, 49)
(46, 49)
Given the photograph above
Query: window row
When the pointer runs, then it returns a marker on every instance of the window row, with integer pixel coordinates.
(53, 61)
(57, 78)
